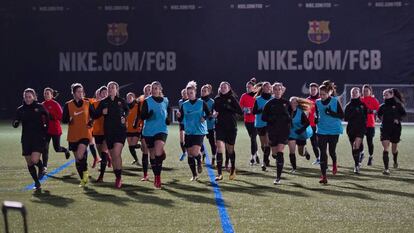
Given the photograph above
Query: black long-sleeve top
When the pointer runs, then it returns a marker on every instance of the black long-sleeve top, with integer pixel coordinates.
(390, 111)
(34, 119)
(117, 109)
(205, 110)
(356, 116)
(228, 108)
(256, 109)
(277, 114)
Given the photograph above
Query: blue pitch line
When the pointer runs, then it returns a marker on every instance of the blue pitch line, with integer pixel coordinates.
(57, 170)
(224, 216)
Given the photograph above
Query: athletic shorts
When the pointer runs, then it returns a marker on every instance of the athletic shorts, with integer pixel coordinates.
(181, 127)
(299, 142)
(392, 134)
(150, 140)
(134, 134)
(193, 140)
(353, 136)
(99, 139)
(276, 139)
(111, 139)
(262, 131)
(73, 146)
(370, 132)
(226, 135)
(34, 144)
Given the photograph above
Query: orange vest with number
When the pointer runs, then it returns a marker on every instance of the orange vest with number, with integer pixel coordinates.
(98, 124)
(78, 128)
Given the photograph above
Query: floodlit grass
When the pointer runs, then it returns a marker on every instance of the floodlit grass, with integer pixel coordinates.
(369, 202)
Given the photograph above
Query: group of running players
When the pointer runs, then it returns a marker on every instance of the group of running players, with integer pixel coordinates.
(107, 121)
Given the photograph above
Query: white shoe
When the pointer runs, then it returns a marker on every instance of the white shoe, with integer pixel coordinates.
(276, 181)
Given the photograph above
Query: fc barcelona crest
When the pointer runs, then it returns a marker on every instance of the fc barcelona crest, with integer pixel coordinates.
(117, 33)
(319, 32)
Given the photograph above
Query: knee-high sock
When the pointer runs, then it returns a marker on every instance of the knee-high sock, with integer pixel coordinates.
(145, 163)
(191, 163)
(355, 155)
(395, 156)
(219, 162)
(386, 159)
(279, 164)
(93, 150)
(292, 157)
(104, 162)
(133, 152)
(33, 173)
(233, 162)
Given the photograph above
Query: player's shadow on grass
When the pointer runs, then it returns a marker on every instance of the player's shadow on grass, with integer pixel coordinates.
(46, 197)
(332, 192)
(257, 189)
(66, 179)
(104, 197)
(374, 190)
(264, 174)
(187, 194)
(136, 195)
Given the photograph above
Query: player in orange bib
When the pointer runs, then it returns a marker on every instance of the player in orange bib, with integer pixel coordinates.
(133, 132)
(78, 114)
(99, 134)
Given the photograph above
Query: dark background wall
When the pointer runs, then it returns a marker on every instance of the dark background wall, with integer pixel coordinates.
(210, 41)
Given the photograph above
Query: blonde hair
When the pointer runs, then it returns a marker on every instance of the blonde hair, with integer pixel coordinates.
(304, 104)
(209, 87)
(191, 85)
(279, 84)
(157, 83)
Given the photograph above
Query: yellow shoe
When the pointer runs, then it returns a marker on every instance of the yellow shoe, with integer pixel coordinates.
(232, 175)
(82, 184)
(85, 177)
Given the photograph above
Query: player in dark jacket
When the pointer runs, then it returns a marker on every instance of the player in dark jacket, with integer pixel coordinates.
(34, 119)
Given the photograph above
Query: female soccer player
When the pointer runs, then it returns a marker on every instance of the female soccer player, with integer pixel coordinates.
(99, 134)
(227, 108)
(206, 91)
(329, 126)
(54, 130)
(194, 113)
(115, 111)
(133, 133)
(78, 113)
(155, 115)
(139, 124)
(356, 116)
(372, 105)
(276, 113)
(34, 119)
(313, 96)
(184, 97)
(300, 130)
(391, 113)
(264, 94)
(247, 102)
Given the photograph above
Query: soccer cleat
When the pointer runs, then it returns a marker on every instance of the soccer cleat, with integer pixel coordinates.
(334, 168)
(194, 178)
(316, 162)
(95, 161)
(395, 165)
(252, 160)
(263, 167)
(118, 183)
(370, 158)
(135, 162)
(233, 175)
(67, 154)
(386, 172)
(356, 170)
(219, 177)
(276, 181)
(82, 184)
(37, 186)
(323, 180)
(293, 171)
(183, 155)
